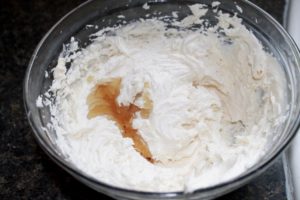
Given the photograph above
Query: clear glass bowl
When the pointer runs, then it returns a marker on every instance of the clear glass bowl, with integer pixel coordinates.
(104, 13)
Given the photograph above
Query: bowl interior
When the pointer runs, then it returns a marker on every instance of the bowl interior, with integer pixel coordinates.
(92, 16)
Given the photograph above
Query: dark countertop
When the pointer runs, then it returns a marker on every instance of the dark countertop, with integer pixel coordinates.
(25, 171)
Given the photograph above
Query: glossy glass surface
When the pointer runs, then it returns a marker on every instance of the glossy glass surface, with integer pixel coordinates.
(104, 13)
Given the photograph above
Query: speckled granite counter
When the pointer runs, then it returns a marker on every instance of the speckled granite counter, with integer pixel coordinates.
(25, 171)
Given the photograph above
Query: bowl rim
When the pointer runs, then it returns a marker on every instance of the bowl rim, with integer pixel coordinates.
(254, 170)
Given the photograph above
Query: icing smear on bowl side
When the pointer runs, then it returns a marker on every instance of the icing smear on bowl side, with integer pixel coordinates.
(153, 107)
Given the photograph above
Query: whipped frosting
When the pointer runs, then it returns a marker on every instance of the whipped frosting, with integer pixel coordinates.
(216, 96)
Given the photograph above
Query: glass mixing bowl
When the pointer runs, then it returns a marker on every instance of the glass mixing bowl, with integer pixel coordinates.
(105, 13)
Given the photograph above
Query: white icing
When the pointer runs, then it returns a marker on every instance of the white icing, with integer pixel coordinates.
(215, 101)
(215, 4)
(39, 102)
(146, 6)
(175, 14)
(239, 9)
